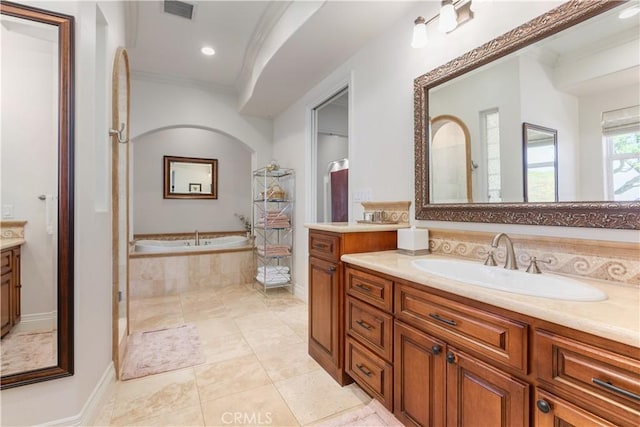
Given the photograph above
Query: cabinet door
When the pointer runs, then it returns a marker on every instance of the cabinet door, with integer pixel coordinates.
(325, 315)
(17, 285)
(551, 411)
(479, 394)
(419, 377)
(5, 301)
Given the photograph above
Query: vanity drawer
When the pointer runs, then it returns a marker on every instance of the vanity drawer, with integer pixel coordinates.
(6, 261)
(325, 246)
(498, 338)
(585, 371)
(371, 326)
(370, 371)
(375, 290)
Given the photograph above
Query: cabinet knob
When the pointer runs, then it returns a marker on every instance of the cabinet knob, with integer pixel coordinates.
(436, 349)
(451, 358)
(332, 269)
(543, 406)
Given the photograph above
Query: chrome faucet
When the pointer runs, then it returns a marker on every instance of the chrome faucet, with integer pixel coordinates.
(197, 238)
(510, 262)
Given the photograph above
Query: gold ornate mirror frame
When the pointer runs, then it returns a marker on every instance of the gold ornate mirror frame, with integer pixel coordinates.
(622, 215)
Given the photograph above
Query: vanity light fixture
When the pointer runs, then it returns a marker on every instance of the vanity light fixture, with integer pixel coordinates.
(630, 12)
(419, 33)
(452, 14)
(448, 17)
(207, 50)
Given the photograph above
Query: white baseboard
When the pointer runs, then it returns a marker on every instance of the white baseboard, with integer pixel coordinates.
(94, 403)
(300, 292)
(37, 322)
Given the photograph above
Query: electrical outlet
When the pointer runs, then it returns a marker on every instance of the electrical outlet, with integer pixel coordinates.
(7, 211)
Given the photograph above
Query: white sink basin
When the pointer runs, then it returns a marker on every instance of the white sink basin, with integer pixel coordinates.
(514, 281)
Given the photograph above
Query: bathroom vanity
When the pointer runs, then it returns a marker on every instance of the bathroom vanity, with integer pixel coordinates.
(10, 259)
(327, 243)
(437, 351)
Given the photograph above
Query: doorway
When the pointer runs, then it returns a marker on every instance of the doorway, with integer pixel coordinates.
(332, 154)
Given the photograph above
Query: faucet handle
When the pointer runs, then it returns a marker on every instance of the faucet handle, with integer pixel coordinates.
(533, 265)
(491, 261)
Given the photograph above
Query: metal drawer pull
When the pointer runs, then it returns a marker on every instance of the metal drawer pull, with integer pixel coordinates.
(443, 320)
(364, 370)
(320, 245)
(615, 389)
(364, 324)
(544, 406)
(363, 287)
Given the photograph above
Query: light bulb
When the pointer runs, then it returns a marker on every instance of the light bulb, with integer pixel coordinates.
(419, 33)
(476, 5)
(448, 17)
(628, 13)
(207, 51)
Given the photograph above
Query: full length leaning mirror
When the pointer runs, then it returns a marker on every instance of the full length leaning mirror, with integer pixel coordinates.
(37, 87)
(574, 70)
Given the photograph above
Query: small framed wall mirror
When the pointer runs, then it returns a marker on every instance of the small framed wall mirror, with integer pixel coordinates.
(540, 163)
(190, 178)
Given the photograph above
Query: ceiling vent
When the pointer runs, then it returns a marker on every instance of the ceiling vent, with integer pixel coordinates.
(178, 8)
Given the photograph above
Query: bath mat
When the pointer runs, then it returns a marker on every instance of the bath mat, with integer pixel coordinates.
(372, 415)
(152, 352)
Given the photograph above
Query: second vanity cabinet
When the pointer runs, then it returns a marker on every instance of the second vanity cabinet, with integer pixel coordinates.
(457, 361)
(326, 291)
(10, 298)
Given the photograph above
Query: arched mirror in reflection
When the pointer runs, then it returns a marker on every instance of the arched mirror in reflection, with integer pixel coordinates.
(450, 161)
(540, 163)
(120, 102)
(37, 207)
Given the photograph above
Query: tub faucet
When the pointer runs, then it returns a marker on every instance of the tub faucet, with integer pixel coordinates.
(510, 262)
(197, 238)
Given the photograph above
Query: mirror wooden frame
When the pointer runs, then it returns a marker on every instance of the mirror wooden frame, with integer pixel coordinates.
(621, 215)
(525, 143)
(65, 25)
(167, 178)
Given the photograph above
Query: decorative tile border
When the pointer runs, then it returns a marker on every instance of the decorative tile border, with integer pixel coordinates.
(604, 260)
(391, 211)
(12, 229)
(183, 236)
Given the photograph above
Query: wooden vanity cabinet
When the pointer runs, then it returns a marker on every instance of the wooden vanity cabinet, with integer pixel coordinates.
(10, 294)
(437, 383)
(327, 295)
(369, 329)
(460, 362)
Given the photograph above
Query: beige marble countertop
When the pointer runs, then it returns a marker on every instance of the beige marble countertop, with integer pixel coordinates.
(353, 227)
(11, 243)
(617, 318)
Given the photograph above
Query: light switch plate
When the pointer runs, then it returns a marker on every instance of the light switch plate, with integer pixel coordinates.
(7, 211)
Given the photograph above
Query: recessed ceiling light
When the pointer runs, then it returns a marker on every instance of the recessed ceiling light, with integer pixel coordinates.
(628, 13)
(208, 51)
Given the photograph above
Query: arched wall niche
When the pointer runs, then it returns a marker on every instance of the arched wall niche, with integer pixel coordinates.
(153, 214)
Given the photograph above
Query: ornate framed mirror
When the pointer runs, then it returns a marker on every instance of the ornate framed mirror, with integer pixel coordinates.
(190, 178)
(563, 49)
(36, 45)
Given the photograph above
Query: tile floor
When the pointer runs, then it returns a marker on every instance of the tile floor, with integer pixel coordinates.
(257, 371)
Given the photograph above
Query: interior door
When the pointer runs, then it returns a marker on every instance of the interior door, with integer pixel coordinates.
(340, 196)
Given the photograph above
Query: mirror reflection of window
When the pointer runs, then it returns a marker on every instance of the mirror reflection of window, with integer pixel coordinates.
(490, 122)
(621, 135)
(541, 176)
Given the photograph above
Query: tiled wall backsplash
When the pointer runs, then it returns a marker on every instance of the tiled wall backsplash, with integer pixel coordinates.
(397, 212)
(604, 260)
(12, 229)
